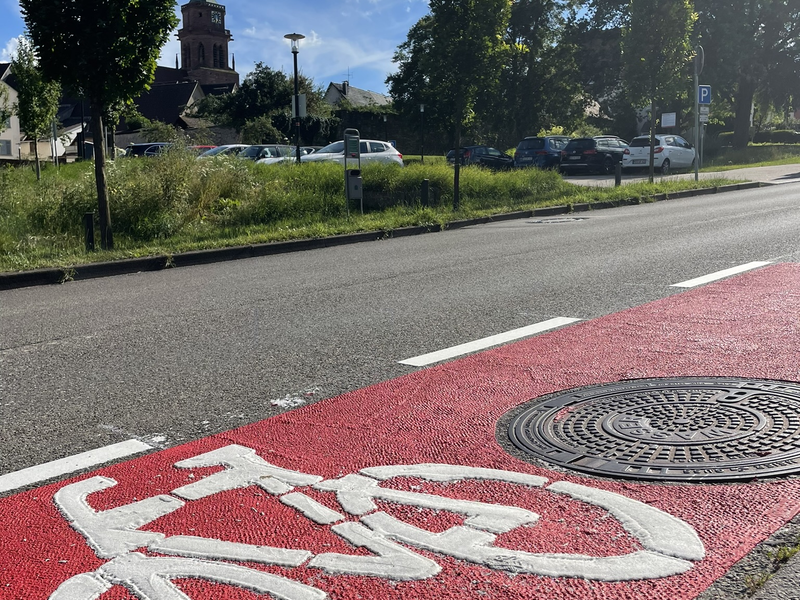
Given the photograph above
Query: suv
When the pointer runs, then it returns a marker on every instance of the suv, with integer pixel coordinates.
(598, 154)
(543, 152)
(485, 156)
(259, 151)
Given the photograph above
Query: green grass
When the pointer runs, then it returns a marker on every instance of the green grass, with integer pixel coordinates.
(755, 155)
(176, 203)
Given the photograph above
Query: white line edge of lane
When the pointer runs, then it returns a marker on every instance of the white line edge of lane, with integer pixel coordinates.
(720, 274)
(70, 464)
(487, 342)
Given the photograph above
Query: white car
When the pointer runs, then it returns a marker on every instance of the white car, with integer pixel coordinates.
(371, 151)
(671, 152)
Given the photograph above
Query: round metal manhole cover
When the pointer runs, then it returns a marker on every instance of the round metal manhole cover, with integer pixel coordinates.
(682, 429)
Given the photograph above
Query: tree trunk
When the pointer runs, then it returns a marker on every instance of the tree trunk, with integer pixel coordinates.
(36, 156)
(744, 106)
(106, 239)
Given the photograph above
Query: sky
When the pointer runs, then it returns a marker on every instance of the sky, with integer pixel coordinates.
(346, 40)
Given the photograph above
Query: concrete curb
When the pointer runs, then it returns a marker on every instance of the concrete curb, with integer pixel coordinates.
(13, 280)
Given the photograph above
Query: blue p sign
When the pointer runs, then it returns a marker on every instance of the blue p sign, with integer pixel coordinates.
(704, 94)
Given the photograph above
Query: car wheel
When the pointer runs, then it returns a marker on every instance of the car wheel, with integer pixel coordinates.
(608, 165)
(665, 167)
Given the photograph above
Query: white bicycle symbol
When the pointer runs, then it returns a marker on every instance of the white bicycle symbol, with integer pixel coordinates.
(670, 546)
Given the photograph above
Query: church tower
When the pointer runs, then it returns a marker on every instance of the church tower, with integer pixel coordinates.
(204, 43)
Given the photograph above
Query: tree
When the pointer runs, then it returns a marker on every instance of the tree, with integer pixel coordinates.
(105, 52)
(752, 49)
(265, 94)
(37, 98)
(656, 50)
(457, 52)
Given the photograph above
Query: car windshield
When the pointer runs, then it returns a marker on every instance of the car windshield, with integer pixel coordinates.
(218, 150)
(251, 151)
(334, 148)
(558, 143)
(642, 142)
(532, 144)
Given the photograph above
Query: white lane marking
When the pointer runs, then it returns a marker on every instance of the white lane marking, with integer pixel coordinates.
(70, 464)
(487, 342)
(720, 274)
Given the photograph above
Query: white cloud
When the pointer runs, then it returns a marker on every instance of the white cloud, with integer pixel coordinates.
(10, 50)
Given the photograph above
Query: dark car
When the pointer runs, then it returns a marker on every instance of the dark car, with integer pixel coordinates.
(149, 149)
(599, 154)
(484, 156)
(543, 152)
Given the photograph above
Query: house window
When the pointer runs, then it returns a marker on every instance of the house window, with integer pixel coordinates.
(216, 60)
(5, 147)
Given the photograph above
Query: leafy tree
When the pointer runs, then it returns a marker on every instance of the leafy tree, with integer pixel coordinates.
(265, 94)
(37, 98)
(752, 50)
(457, 52)
(656, 50)
(261, 131)
(105, 52)
(539, 81)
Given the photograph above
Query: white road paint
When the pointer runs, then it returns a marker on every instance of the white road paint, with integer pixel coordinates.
(487, 342)
(71, 464)
(720, 274)
(671, 546)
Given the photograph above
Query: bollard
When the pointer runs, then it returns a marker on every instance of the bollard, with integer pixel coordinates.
(88, 228)
(618, 175)
(424, 193)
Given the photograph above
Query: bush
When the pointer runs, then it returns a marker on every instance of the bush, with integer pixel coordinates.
(762, 137)
(785, 136)
(725, 138)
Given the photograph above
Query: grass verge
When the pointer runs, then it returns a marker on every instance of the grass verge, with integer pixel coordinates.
(177, 203)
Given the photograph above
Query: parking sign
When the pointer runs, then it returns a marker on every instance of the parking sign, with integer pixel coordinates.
(704, 94)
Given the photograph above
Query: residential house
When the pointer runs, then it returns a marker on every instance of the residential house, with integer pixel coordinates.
(10, 135)
(344, 93)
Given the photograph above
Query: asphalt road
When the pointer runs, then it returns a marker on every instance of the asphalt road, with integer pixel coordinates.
(171, 356)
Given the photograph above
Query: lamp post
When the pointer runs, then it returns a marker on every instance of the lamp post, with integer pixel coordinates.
(385, 129)
(422, 115)
(295, 38)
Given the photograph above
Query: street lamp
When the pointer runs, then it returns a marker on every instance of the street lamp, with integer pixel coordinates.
(295, 38)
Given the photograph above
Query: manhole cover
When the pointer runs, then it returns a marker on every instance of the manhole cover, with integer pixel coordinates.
(682, 429)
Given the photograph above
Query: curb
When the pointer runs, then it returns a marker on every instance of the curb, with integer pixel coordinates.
(13, 280)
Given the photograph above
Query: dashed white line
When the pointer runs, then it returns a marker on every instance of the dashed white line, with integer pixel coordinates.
(487, 342)
(70, 464)
(720, 274)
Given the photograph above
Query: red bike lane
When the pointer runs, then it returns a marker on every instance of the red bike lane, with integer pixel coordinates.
(402, 490)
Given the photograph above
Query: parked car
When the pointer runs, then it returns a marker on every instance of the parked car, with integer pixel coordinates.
(484, 156)
(148, 149)
(287, 158)
(671, 152)
(224, 150)
(599, 154)
(371, 151)
(543, 152)
(260, 151)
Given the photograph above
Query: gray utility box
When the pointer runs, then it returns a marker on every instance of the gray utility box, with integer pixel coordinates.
(353, 184)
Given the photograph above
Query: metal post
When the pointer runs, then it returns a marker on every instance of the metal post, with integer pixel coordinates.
(422, 113)
(88, 229)
(296, 105)
(618, 175)
(698, 68)
(424, 199)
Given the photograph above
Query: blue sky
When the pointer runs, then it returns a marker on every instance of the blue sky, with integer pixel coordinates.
(358, 37)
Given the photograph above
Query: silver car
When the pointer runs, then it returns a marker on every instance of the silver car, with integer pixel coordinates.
(371, 151)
